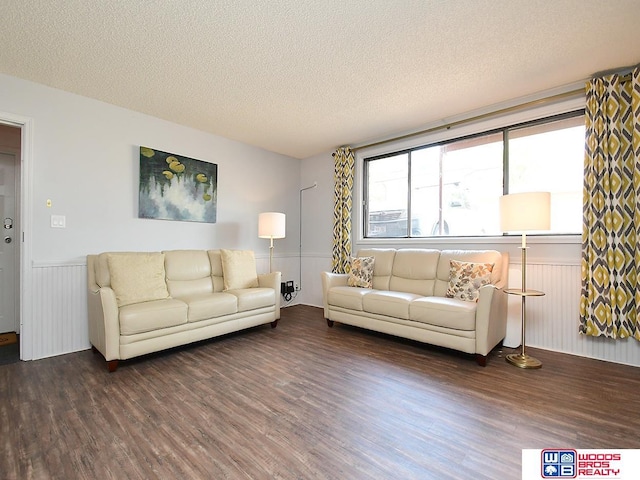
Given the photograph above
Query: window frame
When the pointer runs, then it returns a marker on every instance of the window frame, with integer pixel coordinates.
(485, 123)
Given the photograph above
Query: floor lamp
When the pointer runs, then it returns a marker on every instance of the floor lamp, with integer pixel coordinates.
(522, 212)
(271, 225)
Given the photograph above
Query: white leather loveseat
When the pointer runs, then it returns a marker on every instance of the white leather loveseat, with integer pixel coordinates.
(142, 302)
(409, 295)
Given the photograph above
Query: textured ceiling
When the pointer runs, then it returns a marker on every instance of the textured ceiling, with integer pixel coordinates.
(303, 77)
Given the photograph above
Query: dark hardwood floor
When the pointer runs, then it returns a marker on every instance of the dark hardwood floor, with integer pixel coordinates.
(304, 401)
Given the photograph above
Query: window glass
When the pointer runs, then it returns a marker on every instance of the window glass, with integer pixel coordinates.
(454, 188)
(550, 157)
(387, 188)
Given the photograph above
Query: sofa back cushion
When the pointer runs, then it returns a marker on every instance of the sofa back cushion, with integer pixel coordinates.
(101, 269)
(414, 271)
(188, 272)
(215, 258)
(475, 256)
(382, 266)
(137, 277)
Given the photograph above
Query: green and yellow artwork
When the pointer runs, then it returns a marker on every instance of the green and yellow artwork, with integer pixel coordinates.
(173, 187)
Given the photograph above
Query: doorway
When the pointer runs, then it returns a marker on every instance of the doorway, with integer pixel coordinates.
(10, 242)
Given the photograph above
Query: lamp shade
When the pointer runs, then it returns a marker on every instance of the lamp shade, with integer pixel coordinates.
(520, 212)
(271, 225)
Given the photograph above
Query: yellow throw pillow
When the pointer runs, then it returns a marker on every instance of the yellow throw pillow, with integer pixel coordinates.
(361, 274)
(466, 278)
(239, 269)
(137, 277)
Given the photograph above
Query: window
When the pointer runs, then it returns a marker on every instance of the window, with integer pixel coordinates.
(453, 188)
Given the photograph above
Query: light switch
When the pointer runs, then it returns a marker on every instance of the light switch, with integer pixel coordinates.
(58, 221)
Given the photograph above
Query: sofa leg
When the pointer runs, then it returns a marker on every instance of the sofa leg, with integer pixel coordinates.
(112, 365)
(481, 360)
(330, 322)
(274, 324)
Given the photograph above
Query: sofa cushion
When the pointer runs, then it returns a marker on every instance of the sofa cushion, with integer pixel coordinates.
(444, 312)
(391, 304)
(153, 315)
(347, 297)
(137, 277)
(466, 278)
(188, 272)
(361, 273)
(383, 265)
(103, 279)
(215, 257)
(239, 269)
(253, 298)
(414, 271)
(210, 305)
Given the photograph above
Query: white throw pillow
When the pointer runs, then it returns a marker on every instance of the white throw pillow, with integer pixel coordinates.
(239, 269)
(361, 274)
(466, 278)
(137, 277)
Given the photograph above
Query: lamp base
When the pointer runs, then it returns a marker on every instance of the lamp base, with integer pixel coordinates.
(523, 361)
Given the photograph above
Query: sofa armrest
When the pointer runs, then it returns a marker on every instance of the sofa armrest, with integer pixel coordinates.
(491, 317)
(104, 324)
(272, 280)
(329, 280)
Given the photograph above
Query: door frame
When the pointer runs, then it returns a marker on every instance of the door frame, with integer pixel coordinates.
(25, 208)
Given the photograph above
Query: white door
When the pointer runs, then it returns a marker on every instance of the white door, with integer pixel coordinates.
(9, 243)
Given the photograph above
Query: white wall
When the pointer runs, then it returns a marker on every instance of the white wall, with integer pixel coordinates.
(317, 225)
(85, 159)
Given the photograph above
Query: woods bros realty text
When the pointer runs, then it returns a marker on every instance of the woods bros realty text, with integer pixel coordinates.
(598, 464)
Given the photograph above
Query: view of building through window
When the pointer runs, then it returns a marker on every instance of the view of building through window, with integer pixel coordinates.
(454, 188)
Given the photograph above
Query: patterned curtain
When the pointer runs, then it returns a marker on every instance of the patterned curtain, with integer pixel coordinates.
(344, 164)
(610, 297)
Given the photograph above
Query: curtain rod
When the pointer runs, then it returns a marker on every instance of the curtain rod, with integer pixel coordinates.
(483, 116)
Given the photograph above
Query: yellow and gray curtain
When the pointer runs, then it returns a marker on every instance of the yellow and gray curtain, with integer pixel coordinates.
(344, 165)
(610, 296)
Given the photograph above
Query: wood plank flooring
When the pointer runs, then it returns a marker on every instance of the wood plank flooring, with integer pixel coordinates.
(304, 401)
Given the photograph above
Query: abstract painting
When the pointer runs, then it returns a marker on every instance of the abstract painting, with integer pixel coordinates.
(173, 187)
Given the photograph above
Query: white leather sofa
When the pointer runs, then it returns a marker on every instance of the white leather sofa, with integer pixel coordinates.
(408, 298)
(142, 302)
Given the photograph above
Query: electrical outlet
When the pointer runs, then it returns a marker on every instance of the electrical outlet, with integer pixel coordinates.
(297, 287)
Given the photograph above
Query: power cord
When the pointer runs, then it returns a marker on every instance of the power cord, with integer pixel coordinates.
(288, 297)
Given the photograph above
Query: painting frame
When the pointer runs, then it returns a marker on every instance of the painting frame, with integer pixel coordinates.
(175, 187)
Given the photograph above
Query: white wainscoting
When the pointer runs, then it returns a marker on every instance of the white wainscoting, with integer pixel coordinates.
(553, 320)
(59, 307)
(59, 322)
